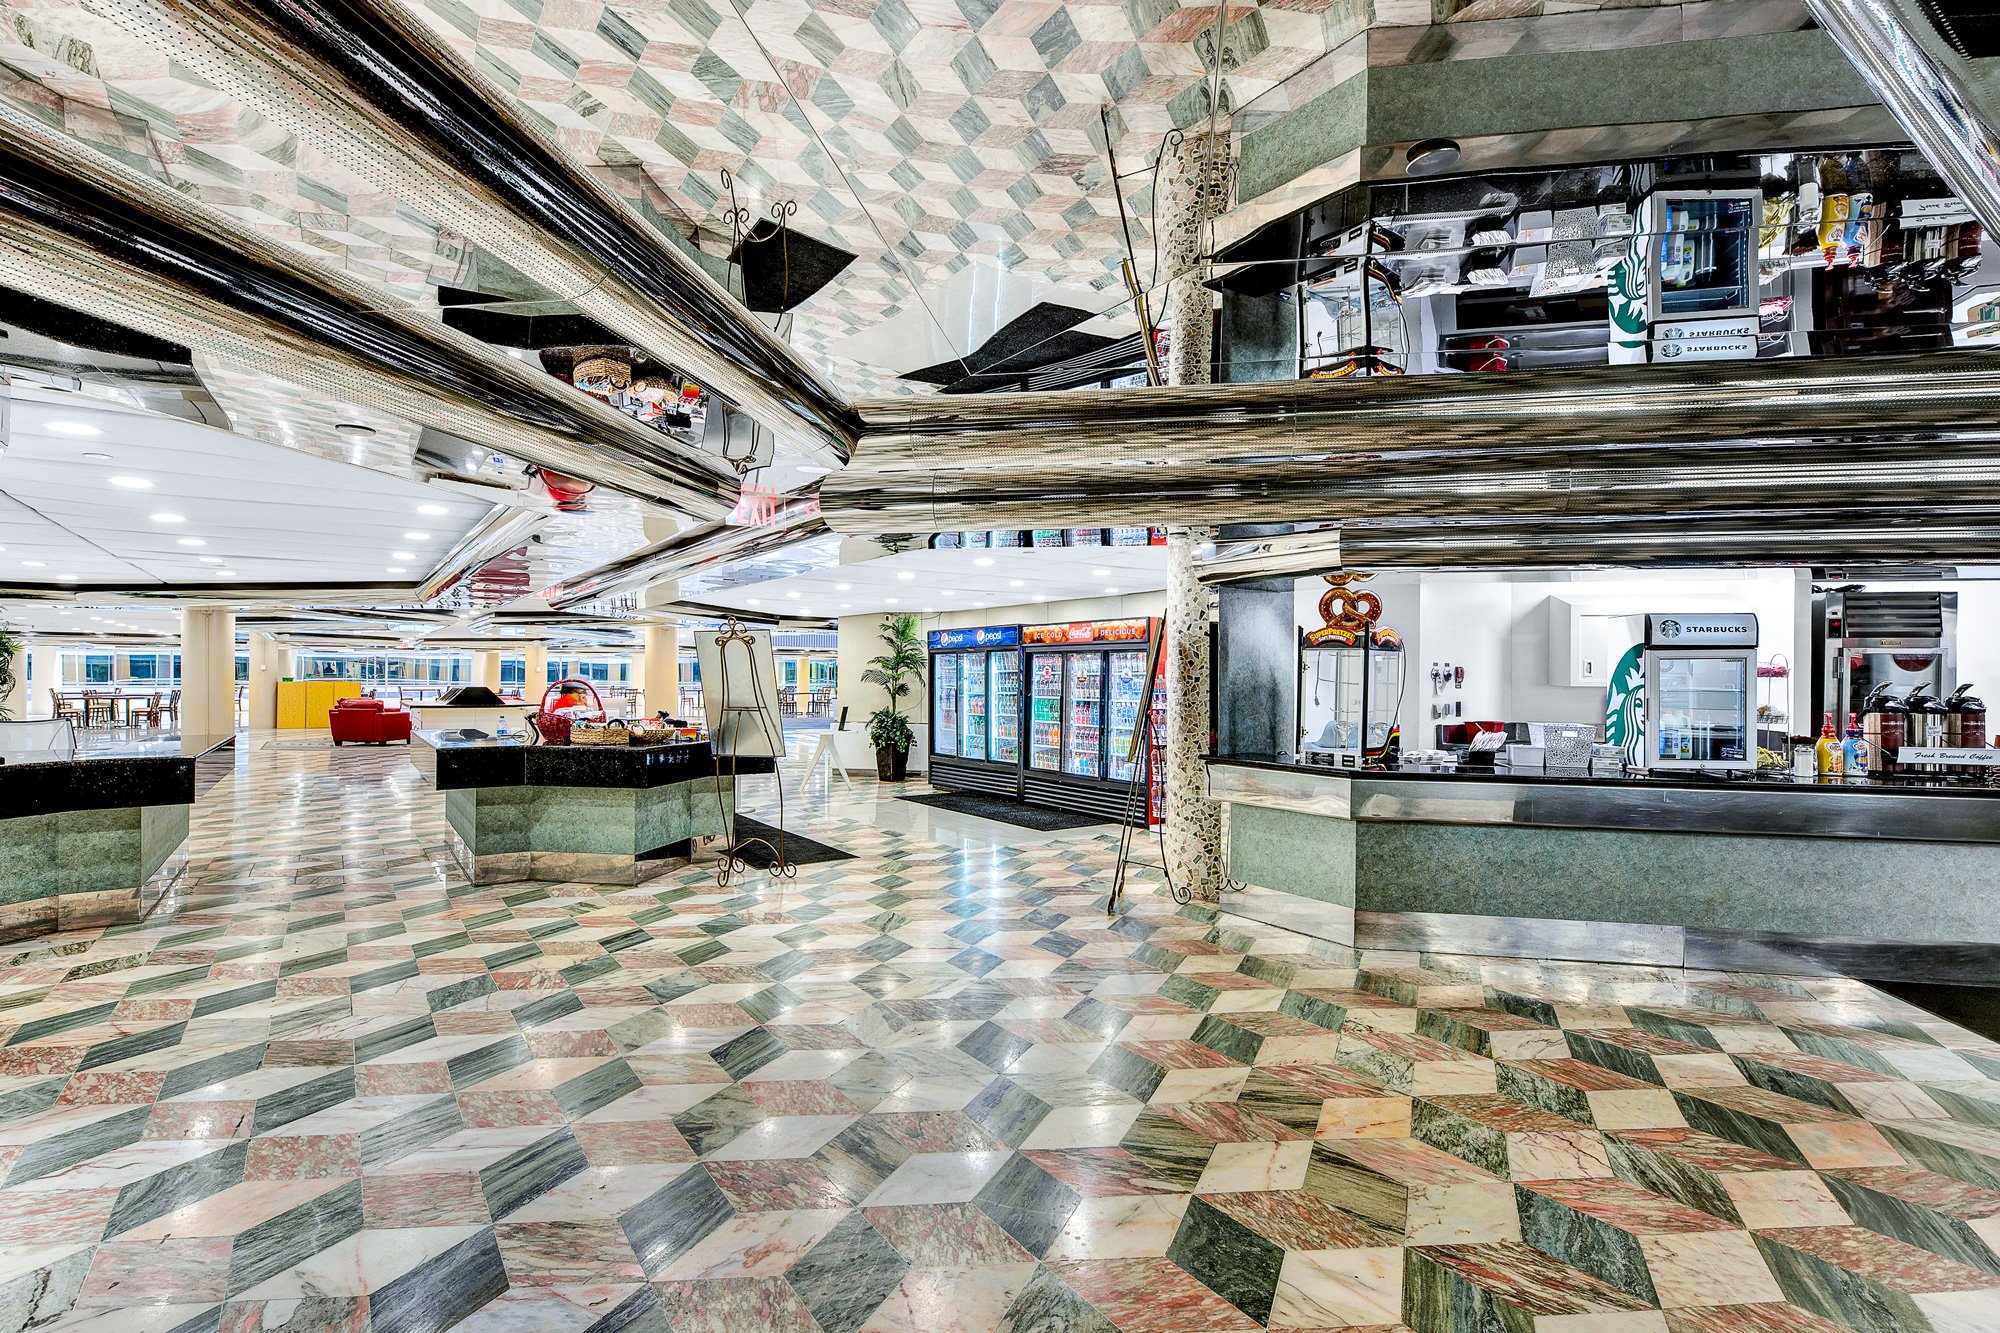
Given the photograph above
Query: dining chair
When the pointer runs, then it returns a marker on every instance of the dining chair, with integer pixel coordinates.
(173, 708)
(66, 705)
(98, 709)
(151, 709)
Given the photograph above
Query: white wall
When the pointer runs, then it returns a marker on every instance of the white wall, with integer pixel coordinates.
(1497, 627)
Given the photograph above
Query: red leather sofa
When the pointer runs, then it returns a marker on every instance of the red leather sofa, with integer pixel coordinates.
(368, 721)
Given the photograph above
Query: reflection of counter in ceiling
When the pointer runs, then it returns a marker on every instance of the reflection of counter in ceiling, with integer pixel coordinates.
(1775, 875)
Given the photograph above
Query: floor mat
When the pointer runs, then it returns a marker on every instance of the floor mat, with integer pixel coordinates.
(799, 849)
(1006, 811)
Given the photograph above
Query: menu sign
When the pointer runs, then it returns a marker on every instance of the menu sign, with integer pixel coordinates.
(992, 636)
(1088, 631)
(1947, 754)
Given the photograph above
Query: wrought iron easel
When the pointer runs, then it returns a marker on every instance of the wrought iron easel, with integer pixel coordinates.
(1138, 788)
(734, 635)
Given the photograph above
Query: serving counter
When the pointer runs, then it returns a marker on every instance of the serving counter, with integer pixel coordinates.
(95, 838)
(1753, 872)
(597, 814)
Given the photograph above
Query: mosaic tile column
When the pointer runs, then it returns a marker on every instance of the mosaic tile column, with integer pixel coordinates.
(1194, 823)
(1194, 184)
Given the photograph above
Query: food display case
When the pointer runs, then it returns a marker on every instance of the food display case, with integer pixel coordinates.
(1350, 699)
(976, 709)
(1086, 689)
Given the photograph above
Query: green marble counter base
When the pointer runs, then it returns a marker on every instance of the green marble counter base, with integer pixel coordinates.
(593, 835)
(83, 868)
(1867, 907)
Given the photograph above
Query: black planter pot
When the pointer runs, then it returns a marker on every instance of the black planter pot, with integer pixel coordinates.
(891, 765)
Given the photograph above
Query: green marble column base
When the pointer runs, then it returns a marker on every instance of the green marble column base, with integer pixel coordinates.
(87, 868)
(593, 835)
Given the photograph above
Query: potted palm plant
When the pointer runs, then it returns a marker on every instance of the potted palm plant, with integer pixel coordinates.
(9, 645)
(897, 671)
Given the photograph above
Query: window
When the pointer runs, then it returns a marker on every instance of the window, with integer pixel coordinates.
(97, 668)
(791, 667)
(824, 672)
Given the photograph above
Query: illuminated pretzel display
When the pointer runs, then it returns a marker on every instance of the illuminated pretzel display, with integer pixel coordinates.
(1350, 615)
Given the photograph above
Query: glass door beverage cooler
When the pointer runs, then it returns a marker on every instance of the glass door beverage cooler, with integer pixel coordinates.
(1086, 682)
(976, 709)
(1701, 691)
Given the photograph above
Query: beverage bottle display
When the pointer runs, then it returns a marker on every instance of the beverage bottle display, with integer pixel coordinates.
(1854, 751)
(1827, 757)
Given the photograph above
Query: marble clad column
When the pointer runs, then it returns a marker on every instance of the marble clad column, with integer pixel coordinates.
(1193, 189)
(208, 670)
(1194, 823)
(1194, 184)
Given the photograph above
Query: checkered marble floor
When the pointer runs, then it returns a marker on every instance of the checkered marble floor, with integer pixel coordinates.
(331, 1086)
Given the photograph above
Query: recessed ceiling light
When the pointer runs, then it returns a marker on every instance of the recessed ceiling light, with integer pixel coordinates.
(398, 569)
(169, 518)
(753, 601)
(191, 541)
(225, 573)
(792, 595)
(1111, 590)
(416, 536)
(211, 560)
(96, 457)
(402, 555)
(983, 560)
(132, 483)
(905, 575)
(1038, 598)
(844, 606)
(1099, 573)
(97, 618)
(1016, 583)
(66, 578)
(890, 600)
(434, 511)
(33, 564)
(80, 429)
(948, 592)
(929, 610)
(842, 587)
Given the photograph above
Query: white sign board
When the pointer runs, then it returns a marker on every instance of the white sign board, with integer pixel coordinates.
(739, 693)
(1947, 754)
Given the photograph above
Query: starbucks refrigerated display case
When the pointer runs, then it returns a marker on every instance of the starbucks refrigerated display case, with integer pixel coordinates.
(976, 709)
(1701, 691)
(1086, 694)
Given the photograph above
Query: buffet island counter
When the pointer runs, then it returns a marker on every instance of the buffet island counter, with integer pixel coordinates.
(1892, 879)
(95, 838)
(599, 814)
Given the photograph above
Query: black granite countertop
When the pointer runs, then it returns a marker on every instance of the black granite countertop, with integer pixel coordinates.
(484, 761)
(1709, 780)
(106, 774)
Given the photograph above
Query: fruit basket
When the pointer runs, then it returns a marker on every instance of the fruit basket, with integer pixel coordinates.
(554, 722)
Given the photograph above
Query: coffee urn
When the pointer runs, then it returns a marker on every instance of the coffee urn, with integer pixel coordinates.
(1885, 724)
(1928, 726)
(1966, 724)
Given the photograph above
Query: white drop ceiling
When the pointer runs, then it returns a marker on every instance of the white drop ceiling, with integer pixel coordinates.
(264, 514)
(929, 581)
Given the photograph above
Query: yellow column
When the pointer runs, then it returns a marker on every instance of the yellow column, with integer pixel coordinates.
(267, 665)
(535, 665)
(208, 671)
(486, 670)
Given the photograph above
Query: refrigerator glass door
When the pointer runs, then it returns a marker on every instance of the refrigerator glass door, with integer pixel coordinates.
(1005, 724)
(944, 704)
(1128, 683)
(1045, 711)
(1083, 732)
(972, 706)
(1703, 707)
